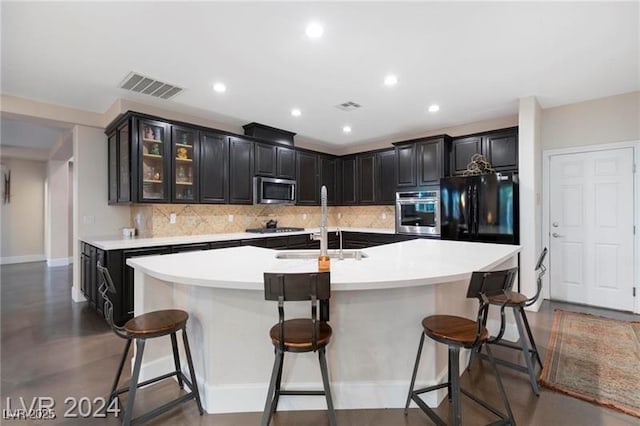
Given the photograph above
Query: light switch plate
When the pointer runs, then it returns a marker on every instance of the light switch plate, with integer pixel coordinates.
(172, 218)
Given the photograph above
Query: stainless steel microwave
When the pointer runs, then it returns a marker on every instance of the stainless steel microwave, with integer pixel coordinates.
(273, 191)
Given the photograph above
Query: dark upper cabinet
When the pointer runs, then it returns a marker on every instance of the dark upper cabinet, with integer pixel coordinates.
(386, 177)
(502, 149)
(265, 160)
(285, 163)
(214, 168)
(406, 166)
(366, 178)
(421, 162)
(462, 149)
(185, 155)
(329, 177)
(240, 171)
(275, 161)
(307, 178)
(122, 188)
(431, 163)
(349, 180)
(499, 147)
(154, 149)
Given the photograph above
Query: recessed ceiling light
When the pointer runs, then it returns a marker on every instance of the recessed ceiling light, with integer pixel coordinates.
(434, 108)
(346, 129)
(314, 30)
(220, 87)
(296, 112)
(390, 80)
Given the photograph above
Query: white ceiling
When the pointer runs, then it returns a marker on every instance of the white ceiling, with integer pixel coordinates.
(474, 59)
(20, 133)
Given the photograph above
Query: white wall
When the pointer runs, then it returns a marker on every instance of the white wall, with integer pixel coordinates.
(22, 238)
(598, 121)
(57, 211)
(92, 216)
(530, 174)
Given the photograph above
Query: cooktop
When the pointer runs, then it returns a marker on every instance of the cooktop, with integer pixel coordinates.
(272, 230)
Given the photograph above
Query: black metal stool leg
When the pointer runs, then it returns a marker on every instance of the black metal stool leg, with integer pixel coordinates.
(276, 396)
(524, 343)
(112, 395)
(192, 371)
(327, 387)
(415, 372)
(266, 414)
(503, 394)
(531, 340)
(454, 385)
(176, 358)
(133, 386)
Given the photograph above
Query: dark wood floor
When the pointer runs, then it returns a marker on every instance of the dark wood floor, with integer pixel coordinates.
(52, 347)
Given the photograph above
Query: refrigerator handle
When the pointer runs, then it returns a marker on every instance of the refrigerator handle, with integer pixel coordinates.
(474, 217)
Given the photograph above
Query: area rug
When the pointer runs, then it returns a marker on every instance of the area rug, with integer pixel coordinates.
(596, 359)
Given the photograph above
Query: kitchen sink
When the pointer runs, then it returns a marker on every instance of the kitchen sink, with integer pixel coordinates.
(313, 254)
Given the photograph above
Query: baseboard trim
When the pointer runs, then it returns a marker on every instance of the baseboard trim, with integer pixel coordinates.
(60, 261)
(21, 259)
(250, 397)
(77, 296)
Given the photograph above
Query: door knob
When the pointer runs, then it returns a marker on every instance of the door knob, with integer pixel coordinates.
(555, 224)
(556, 235)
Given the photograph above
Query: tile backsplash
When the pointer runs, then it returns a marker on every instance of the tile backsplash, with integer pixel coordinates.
(196, 219)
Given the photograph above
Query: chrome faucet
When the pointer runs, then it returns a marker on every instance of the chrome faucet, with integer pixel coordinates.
(323, 223)
(339, 233)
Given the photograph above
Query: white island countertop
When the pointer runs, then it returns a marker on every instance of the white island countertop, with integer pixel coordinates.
(403, 264)
(119, 243)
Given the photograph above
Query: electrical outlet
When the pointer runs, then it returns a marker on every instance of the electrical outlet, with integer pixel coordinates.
(383, 216)
(172, 218)
(339, 215)
(230, 218)
(304, 216)
(88, 220)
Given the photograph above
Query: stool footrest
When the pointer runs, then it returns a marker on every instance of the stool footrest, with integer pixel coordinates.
(300, 392)
(154, 380)
(430, 388)
(506, 363)
(165, 407)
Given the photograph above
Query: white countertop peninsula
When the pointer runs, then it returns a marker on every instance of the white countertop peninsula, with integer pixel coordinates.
(377, 304)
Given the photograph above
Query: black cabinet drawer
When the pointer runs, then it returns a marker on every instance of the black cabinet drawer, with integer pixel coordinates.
(189, 247)
(224, 244)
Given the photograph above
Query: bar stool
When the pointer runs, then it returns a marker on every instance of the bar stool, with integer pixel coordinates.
(300, 334)
(458, 332)
(140, 328)
(527, 345)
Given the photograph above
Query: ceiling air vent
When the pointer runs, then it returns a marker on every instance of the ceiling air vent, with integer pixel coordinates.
(348, 106)
(146, 85)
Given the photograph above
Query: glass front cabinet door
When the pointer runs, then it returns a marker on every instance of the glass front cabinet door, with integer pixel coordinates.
(185, 162)
(154, 144)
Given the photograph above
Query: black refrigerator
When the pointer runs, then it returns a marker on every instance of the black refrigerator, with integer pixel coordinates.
(480, 208)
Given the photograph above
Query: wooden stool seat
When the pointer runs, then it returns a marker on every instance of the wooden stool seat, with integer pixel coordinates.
(459, 332)
(156, 323)
(453, 330)
(513, 299)
(166, 322)
(299, 334)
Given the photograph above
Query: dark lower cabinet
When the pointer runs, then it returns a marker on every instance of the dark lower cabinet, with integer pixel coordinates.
(240, 171)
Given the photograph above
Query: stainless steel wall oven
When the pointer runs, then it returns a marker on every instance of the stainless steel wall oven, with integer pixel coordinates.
(418, 212)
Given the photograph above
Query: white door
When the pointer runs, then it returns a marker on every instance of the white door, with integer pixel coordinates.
(591, 226)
